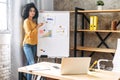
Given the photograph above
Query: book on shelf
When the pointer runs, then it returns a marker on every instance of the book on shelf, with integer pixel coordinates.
(93, 22)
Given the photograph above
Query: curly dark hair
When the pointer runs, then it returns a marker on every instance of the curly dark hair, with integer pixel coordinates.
(26, 9)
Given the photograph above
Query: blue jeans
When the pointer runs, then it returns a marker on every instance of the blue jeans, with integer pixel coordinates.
(30, 52)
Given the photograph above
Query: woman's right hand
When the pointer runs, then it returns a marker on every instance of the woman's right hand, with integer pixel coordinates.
(40, 24)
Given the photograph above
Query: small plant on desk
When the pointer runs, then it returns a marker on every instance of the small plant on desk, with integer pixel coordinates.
(100, 4)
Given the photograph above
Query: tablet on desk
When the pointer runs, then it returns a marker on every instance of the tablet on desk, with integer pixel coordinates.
(76, 65)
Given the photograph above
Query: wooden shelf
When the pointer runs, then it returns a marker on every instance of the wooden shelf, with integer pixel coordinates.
(116, 31)
(97, 11)
(106, 50)
(85, 30)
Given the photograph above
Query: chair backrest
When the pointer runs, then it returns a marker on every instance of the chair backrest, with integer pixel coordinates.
(116, 59)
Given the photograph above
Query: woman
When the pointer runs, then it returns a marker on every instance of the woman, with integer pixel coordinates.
(30, 15)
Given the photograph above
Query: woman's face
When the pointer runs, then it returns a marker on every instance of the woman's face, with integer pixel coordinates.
(32, 12)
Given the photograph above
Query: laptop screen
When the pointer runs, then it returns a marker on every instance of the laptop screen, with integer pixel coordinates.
(75, 65)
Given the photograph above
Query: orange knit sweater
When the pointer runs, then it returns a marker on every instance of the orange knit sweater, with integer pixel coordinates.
(30, 32)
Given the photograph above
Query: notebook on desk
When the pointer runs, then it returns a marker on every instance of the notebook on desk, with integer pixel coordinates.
(75, 65)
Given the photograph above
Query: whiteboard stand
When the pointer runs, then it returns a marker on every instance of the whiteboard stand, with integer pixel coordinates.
(53, 36)
(54, 58)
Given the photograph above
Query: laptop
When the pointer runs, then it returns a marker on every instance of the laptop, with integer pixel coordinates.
(75, 65)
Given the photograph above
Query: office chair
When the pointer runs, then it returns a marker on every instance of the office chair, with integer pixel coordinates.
(115, 61)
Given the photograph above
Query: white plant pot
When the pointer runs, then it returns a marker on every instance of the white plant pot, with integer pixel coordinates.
(100, 7)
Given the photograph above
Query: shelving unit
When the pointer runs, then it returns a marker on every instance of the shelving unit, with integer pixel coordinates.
(82, 48)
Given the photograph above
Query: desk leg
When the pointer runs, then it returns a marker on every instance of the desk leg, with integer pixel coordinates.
(20, 75)
(43, 78)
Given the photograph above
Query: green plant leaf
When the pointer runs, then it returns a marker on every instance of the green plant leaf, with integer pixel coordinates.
(100, 2)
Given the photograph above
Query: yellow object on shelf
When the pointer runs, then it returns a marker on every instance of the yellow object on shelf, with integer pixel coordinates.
(93, 22)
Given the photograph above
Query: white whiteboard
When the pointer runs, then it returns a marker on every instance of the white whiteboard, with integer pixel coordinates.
(53, 36)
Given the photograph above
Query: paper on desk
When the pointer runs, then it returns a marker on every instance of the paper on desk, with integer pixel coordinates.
(37, 68)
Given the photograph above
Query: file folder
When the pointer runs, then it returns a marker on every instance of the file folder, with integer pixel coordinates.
(93, 22)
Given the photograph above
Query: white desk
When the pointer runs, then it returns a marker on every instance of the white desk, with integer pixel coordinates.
(55, 73)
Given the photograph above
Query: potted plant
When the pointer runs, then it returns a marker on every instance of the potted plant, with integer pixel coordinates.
(100, 4)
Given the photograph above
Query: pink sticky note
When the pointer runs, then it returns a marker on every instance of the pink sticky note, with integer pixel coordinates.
(41, 31)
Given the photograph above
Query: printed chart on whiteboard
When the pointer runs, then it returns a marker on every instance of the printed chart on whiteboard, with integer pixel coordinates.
(53, 36)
